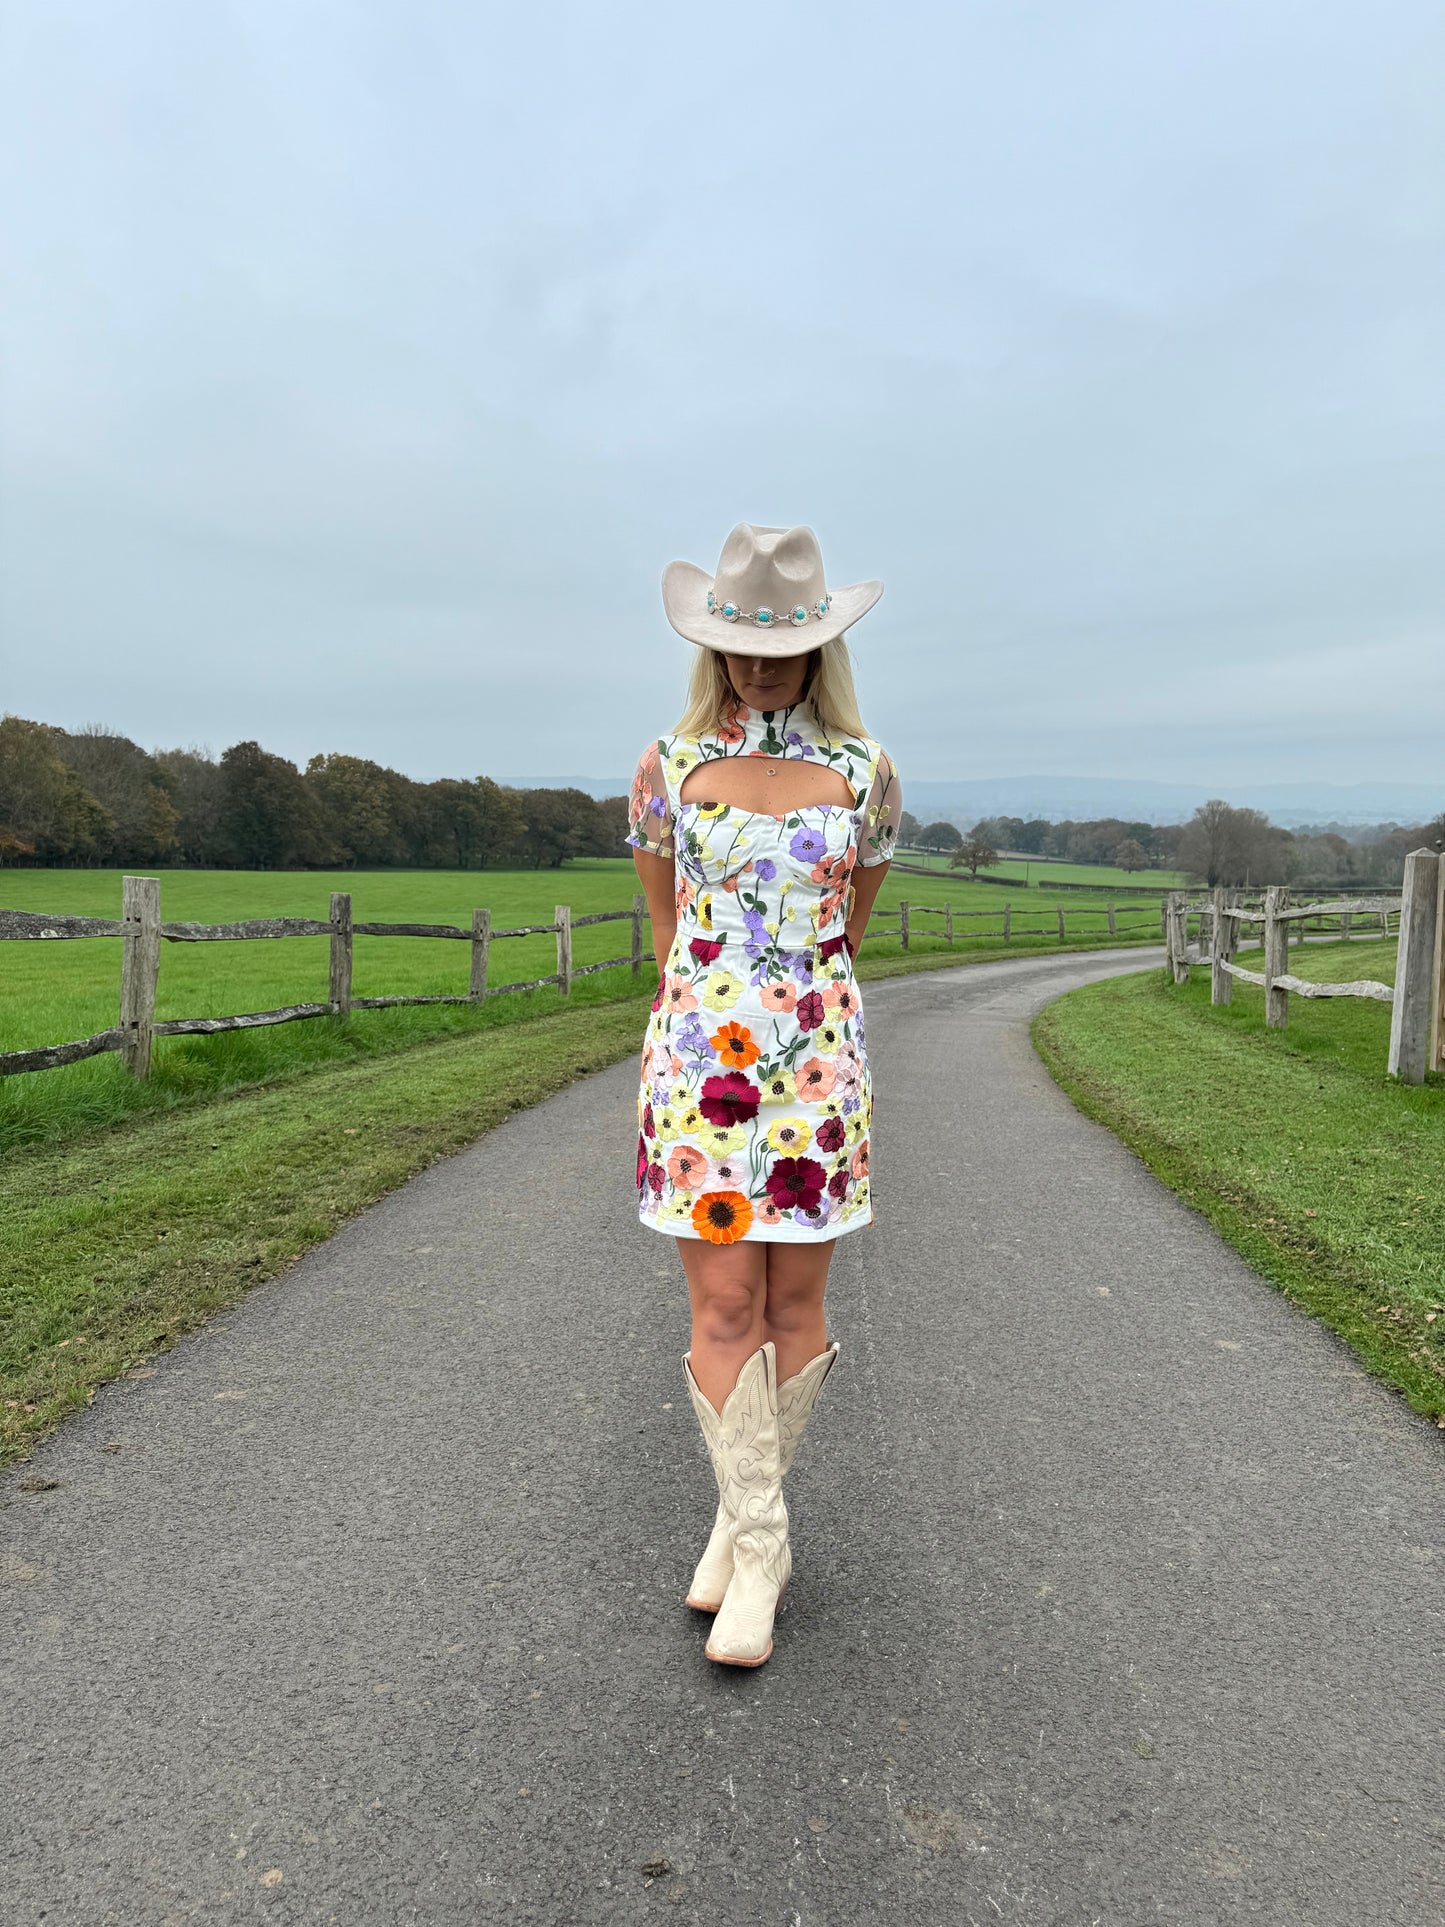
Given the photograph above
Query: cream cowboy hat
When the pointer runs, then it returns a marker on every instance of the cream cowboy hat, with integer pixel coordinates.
(768, 597)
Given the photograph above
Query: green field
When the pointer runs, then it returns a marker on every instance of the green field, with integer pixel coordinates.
(1042, 871)
(1326, 1175)
(52, 992)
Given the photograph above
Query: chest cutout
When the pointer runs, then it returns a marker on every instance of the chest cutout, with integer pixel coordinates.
(766, 785)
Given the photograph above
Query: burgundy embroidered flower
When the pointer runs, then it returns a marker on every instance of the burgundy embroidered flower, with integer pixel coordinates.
(641, 1160)
(830, 1134)
(838, 1183)
(649, 1127)
(796, 1183)
(661, 989)
(834, 947)
(656, 1177)
(704, 950)
(728, 1100)
(809, 1012)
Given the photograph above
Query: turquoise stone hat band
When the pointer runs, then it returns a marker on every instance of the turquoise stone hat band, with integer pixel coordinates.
(768, 618)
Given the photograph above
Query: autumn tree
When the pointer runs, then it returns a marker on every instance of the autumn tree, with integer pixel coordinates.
(43, 803)
(939, 836)
(269, 820)
(974, 853)
(132, 787)
(1232, 846)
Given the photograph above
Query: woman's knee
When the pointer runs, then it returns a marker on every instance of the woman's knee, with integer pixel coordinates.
(793, 1300)
(728, 1309)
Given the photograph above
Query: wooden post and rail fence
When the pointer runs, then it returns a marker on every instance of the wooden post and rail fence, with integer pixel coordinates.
(142, 934)
(1416, 998)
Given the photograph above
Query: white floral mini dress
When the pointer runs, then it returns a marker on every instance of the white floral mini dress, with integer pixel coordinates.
(755, 1104)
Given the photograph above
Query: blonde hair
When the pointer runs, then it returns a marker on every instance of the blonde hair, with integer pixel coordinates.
(828, 687)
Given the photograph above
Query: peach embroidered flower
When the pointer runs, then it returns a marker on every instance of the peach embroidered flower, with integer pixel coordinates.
(778, 996)
(687, 1167)
(677, 996)
(860, 1160)
(815, 1079)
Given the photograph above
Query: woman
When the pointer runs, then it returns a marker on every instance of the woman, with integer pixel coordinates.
(762, 829)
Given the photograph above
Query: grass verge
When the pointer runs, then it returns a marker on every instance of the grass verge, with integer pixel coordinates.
(113, 1246)
(1327, 1177)
(116, 1242)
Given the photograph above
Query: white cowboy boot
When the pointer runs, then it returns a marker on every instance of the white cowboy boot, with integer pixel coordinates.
(746, 1452)
(796, 1398)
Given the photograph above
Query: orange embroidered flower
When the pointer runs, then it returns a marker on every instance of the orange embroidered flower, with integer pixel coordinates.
(734, 1045)
(722, 1217)
(778, 996)
(860, 1160)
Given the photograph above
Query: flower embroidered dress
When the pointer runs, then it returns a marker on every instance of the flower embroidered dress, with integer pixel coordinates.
(755, 1103)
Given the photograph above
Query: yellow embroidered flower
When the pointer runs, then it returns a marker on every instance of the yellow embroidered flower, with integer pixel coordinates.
(679, 1097)
(857, 1126)
(828, 1039)
(690, 1121)
(721, 1140)
(779, 1088)
(677, 1210)
(704, 910)
(669, 1129)
(790, 1135)
(722, 991)
(681, 761)
(712, 809)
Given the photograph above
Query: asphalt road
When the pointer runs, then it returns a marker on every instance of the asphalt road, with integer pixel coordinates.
(1117, 1597)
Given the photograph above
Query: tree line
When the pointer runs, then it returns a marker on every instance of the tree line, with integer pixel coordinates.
(93, 797)
(1220, 844)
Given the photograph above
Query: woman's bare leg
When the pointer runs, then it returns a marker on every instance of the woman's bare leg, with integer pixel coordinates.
(728, 1286)
(793, 1306)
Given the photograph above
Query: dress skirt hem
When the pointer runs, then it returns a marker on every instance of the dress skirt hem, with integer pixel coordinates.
(775, 1234)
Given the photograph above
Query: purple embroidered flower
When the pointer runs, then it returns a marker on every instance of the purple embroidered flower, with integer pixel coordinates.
(807, 845)
(658, 806)
(755, 921)
(765, 868)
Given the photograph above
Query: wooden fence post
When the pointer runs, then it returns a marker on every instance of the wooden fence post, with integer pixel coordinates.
(639, 911)
(903, 924)
(564, 949)
(1007, 920)
(1347, 917)
(339, 991)
(1164, 903)
(1113, 922)
(1061, 923)
(1166, 912)
(140, 962)
(1221, 984)
(1276, 957)
(1410, 1014)
(481, 944)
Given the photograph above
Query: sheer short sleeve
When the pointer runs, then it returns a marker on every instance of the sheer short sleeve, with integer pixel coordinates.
(649, 812)
(882, 814)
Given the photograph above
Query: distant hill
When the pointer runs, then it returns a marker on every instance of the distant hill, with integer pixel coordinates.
(1084, 798)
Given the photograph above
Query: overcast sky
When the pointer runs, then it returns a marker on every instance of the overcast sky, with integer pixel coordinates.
(365, 360)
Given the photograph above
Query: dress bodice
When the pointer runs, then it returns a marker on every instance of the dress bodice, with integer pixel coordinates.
(771, 888)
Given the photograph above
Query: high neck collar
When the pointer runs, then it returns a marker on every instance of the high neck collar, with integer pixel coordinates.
(778, 732)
